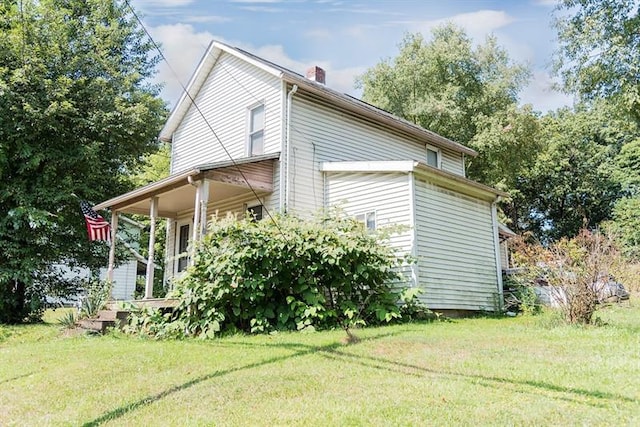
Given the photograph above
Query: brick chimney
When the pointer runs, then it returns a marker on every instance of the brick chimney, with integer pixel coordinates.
(316, 74)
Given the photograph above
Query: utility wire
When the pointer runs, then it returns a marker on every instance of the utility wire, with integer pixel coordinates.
(195, 105)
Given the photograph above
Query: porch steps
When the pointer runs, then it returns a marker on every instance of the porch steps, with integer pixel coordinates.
(105, 319)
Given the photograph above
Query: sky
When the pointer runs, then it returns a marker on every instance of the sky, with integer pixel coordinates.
(346, 37)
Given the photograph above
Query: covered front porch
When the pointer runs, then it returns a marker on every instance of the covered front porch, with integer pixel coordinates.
(190, 196)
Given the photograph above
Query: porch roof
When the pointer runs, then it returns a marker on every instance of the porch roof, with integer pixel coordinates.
(176, 193)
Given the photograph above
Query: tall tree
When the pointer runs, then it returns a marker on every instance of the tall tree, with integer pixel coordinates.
(445, 84)
(76, 114)
(575, 181)
(599, 49)
(467, 93)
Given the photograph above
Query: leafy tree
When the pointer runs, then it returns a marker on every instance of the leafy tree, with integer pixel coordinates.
(599, 45)
(573, 183)
(467, 94)
(76, 114)
(445, 85)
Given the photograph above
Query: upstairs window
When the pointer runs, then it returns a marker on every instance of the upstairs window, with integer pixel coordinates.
(434, 157)
(256, 131)
(368, 220)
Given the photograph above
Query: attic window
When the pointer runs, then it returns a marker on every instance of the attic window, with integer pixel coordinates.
(434, 157)
(256, 131)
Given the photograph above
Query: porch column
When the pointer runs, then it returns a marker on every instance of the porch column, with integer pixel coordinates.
(199, 216)
(112, 251)
(148, 288)
(196, 219)
(204, 201)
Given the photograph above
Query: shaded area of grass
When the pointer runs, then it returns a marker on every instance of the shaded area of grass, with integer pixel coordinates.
(482, 370)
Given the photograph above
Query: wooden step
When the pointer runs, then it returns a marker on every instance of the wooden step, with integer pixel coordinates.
(96, 325)
(116, 315)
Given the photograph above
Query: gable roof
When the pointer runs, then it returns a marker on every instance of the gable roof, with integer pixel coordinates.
(333, 97)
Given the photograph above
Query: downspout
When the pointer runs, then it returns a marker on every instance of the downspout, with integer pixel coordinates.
(294, 89)
(496, 246)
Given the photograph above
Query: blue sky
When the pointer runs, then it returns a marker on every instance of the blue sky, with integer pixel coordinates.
(346, 37)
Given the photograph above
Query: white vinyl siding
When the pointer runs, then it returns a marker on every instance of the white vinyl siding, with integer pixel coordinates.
(320, 134)
(232, 86)
(451, 162)
(456, 253)
(124, 280)
(386, 194)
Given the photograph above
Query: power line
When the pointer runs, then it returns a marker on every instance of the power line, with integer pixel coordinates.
(195, 105)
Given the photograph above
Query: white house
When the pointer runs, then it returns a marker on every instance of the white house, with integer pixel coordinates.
(250, 134)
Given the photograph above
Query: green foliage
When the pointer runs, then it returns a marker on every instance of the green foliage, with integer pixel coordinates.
(519, 294)
(291, 274)
(412, 309)
(68, 320)
(96, 295)
(443, 85)
(625, 226)
(573, 183)
(76, 114)
(599, 45)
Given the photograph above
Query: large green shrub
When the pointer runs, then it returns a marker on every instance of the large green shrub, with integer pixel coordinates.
(285, 274)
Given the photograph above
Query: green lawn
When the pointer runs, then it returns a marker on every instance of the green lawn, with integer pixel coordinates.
(484, 371)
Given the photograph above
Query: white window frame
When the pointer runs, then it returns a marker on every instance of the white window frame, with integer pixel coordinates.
(363, 218)
(250, 132)
(438, 152)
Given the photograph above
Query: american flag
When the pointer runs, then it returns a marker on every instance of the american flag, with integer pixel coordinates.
(97, 227)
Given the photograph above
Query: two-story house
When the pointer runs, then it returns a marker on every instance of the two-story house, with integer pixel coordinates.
(251, 135)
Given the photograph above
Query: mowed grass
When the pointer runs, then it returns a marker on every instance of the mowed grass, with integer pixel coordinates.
(481, 371)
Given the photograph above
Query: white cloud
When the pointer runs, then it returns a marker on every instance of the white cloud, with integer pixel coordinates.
(477, 24)
(541, 93)
(183, 48)
(162, 3)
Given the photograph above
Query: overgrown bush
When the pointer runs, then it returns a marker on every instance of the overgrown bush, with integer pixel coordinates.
(519, 293)
(574, 271)
(286, 274)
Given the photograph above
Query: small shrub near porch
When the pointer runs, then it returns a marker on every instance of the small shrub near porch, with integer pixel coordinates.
(285, 274)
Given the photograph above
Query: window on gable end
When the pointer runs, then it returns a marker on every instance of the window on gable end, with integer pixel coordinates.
(434, 157)
(256, 131)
